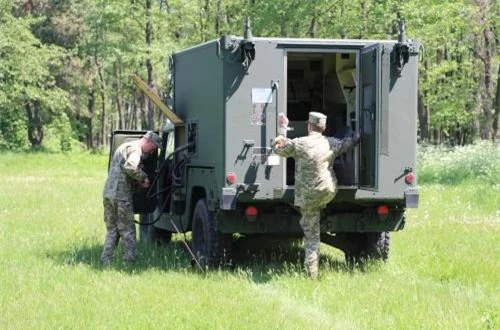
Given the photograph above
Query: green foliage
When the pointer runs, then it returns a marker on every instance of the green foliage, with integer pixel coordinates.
(449, 72)
(59, 137)
(76, 56)
(13, 134)
(479, 163)
(27, 80)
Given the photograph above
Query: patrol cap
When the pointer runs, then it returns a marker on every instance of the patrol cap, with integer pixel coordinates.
(150, 135)
(317, 119)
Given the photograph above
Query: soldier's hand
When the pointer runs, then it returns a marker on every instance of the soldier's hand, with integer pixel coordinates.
(279, 143)
(282, 120)
(146, 183)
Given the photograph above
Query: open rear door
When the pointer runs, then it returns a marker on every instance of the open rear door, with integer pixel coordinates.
(368, 116)
(142, 204)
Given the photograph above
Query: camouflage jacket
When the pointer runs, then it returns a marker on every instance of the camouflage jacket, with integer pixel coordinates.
(315, 181)
(124, 171)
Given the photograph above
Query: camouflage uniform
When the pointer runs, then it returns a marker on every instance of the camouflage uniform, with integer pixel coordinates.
(315, 181)
(124, 171)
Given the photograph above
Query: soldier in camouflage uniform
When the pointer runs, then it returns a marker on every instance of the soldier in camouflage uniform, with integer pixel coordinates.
(125, 171)
(315, 181)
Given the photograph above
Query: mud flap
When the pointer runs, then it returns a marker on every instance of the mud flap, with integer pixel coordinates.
(411, 197)
(228, 201)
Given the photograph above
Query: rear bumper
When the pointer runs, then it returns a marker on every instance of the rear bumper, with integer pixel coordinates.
(230, 197)
(285, 220)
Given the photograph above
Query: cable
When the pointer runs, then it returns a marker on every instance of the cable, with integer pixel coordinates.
(167, 198)
(187, 246)
(162, 167)
(177, 181)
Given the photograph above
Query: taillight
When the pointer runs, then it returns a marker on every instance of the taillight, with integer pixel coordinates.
(410, 178)
(251, 213)
(231, 177)
(383, 210)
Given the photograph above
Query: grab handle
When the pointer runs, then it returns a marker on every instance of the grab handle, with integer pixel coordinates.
(275, 87)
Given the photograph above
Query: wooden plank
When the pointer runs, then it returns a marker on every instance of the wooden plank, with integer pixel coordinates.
(142, 86)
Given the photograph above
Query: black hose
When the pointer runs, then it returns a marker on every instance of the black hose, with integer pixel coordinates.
(163, 164)
(177, 175)
(177, 182)
(167, 198)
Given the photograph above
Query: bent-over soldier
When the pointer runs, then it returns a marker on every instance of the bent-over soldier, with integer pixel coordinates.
(315, 181)
(125, 171)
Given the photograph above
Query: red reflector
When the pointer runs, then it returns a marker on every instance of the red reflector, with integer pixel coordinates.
(410, 177)
(231, 177)
(251, 211)
(382, 210)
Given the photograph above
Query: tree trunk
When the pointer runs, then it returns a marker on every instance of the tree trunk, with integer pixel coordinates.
(141, 120)
(283, 27)
(218, 19)
(118, 99)
(127, 115)
(136, 121)
(477, 115)
(496, 130)
(423, 118)
(35, 124)
(164, 3)
(204, 14)
(149, 66)
(483, 54)
(90, 128)
(102, 93)
(487, 131)
(313, 27)
(364, 18)
(131, 115)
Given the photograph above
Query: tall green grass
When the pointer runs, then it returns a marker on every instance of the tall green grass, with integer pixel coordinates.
(442, 272)
(445, 165)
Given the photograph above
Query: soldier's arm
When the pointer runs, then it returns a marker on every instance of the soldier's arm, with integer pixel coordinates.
(281, 145)
(284, 147)
(344, 145)
(132, 167)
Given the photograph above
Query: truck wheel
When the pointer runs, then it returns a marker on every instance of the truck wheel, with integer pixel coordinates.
(161, 236)
(152, 234)
(211, 247)
(367, 246)
(377, 245)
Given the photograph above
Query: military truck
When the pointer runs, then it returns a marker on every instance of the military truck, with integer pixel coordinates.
(221, 177)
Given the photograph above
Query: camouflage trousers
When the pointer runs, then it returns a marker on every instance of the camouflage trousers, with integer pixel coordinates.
(119, 219)
(310, 223)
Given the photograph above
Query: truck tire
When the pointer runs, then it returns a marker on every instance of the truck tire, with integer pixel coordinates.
(367, 246)
(152, 234)
(211, 247)
(161, 236)
(378, 245)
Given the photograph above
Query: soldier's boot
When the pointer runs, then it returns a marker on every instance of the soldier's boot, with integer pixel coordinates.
(110, 243)
(129, 248)
(107, 253)
(312, 266)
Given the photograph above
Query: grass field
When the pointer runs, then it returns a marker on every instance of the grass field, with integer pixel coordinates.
(443, 272)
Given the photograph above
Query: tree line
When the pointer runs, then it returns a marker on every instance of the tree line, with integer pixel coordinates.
(65, 66)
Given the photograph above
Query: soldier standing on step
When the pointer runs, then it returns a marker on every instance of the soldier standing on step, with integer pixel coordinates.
(315, 181)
